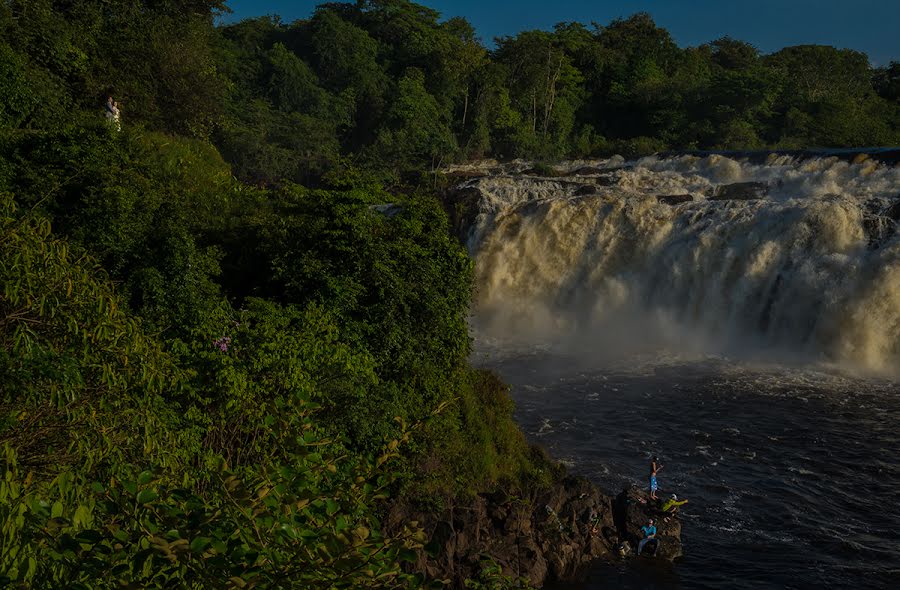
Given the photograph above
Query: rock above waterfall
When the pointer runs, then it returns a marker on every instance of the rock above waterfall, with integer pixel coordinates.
(739, 191)
(588, 171)
(674, 199)
(893, 211)
(586, 189)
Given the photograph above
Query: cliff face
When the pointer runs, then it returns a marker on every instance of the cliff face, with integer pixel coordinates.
(552, 536)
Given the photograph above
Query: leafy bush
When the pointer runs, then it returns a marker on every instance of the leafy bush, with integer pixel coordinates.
(122, 471)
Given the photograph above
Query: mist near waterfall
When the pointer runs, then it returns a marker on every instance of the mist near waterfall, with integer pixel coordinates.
(596, 264)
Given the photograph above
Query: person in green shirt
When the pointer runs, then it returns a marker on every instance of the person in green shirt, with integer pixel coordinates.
(671, 505)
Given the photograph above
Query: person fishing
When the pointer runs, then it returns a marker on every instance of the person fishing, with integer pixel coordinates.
(654, 467)
(670, 506)
(649, 532)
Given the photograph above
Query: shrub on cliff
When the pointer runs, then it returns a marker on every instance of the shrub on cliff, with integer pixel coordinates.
(113, 473)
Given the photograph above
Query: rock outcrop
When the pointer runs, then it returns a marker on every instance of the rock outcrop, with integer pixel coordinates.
(674, 199)
(893, 211)
(586, 189)
(739, 191)
(632, 510)
(461, 204)
(552, 536)
(587, 171)
(880, 222)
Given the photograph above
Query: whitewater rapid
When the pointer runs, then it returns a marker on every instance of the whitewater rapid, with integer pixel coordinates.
(594, 263)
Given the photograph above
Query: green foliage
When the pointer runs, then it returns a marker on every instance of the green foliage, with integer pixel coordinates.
(407, 92)
(414, 130)
(887, 81)
(89, 402)
(17, 102)
(135, 202)
(390, 277)
(387, 83)
(476, 445)
(68, 356)
(491, 577)
(155, 57)
(294, 526)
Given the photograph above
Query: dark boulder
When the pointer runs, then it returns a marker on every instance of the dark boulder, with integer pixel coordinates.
(893, 211)
(587, 171)
(674, 199)
(551, 535)
(586, 189)
(739, 191)
(543, 170)
(461, 205)
(608, 179)
(880, 224)
(544, 536)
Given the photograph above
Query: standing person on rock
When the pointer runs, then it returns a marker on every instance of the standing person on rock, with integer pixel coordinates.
(654, 467)
(649, 533)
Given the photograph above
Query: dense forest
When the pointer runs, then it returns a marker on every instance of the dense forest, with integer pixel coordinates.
(231, 331)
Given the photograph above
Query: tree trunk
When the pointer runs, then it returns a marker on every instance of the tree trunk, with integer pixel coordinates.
(552, 79)
(465, 108)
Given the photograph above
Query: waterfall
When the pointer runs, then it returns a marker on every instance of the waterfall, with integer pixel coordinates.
(796, 259)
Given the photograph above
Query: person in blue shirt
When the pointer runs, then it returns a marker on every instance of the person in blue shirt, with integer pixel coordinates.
(649, 532)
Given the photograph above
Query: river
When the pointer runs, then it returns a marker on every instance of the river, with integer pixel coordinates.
(752, 344)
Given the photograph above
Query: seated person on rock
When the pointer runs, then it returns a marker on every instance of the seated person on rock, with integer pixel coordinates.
(670, 506)
(649, 532)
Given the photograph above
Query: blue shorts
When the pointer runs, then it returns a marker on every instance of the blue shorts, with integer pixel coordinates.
(653, 486)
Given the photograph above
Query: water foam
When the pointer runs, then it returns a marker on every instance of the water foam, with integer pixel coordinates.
(812, 271)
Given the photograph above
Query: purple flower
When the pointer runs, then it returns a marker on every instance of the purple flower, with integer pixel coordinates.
(222, 343)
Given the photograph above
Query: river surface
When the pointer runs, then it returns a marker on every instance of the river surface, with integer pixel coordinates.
(792, 474)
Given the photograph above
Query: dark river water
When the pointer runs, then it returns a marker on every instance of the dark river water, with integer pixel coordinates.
(792, 474)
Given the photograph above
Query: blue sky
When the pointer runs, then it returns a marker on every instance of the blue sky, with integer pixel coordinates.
(865, 25)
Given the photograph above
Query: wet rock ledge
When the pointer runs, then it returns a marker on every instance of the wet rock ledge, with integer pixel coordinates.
(553, 535)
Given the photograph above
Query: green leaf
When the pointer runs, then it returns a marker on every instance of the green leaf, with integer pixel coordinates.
(82, 516)
(145, 496)
(130, 487)
(57, 509)
(200, 543)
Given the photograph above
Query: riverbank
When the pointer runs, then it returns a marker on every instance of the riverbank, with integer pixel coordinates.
(540, 536)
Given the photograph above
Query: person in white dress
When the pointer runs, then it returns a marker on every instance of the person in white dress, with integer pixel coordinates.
(112, 113)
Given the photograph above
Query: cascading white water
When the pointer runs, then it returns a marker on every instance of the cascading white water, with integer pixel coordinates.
(810, 271)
